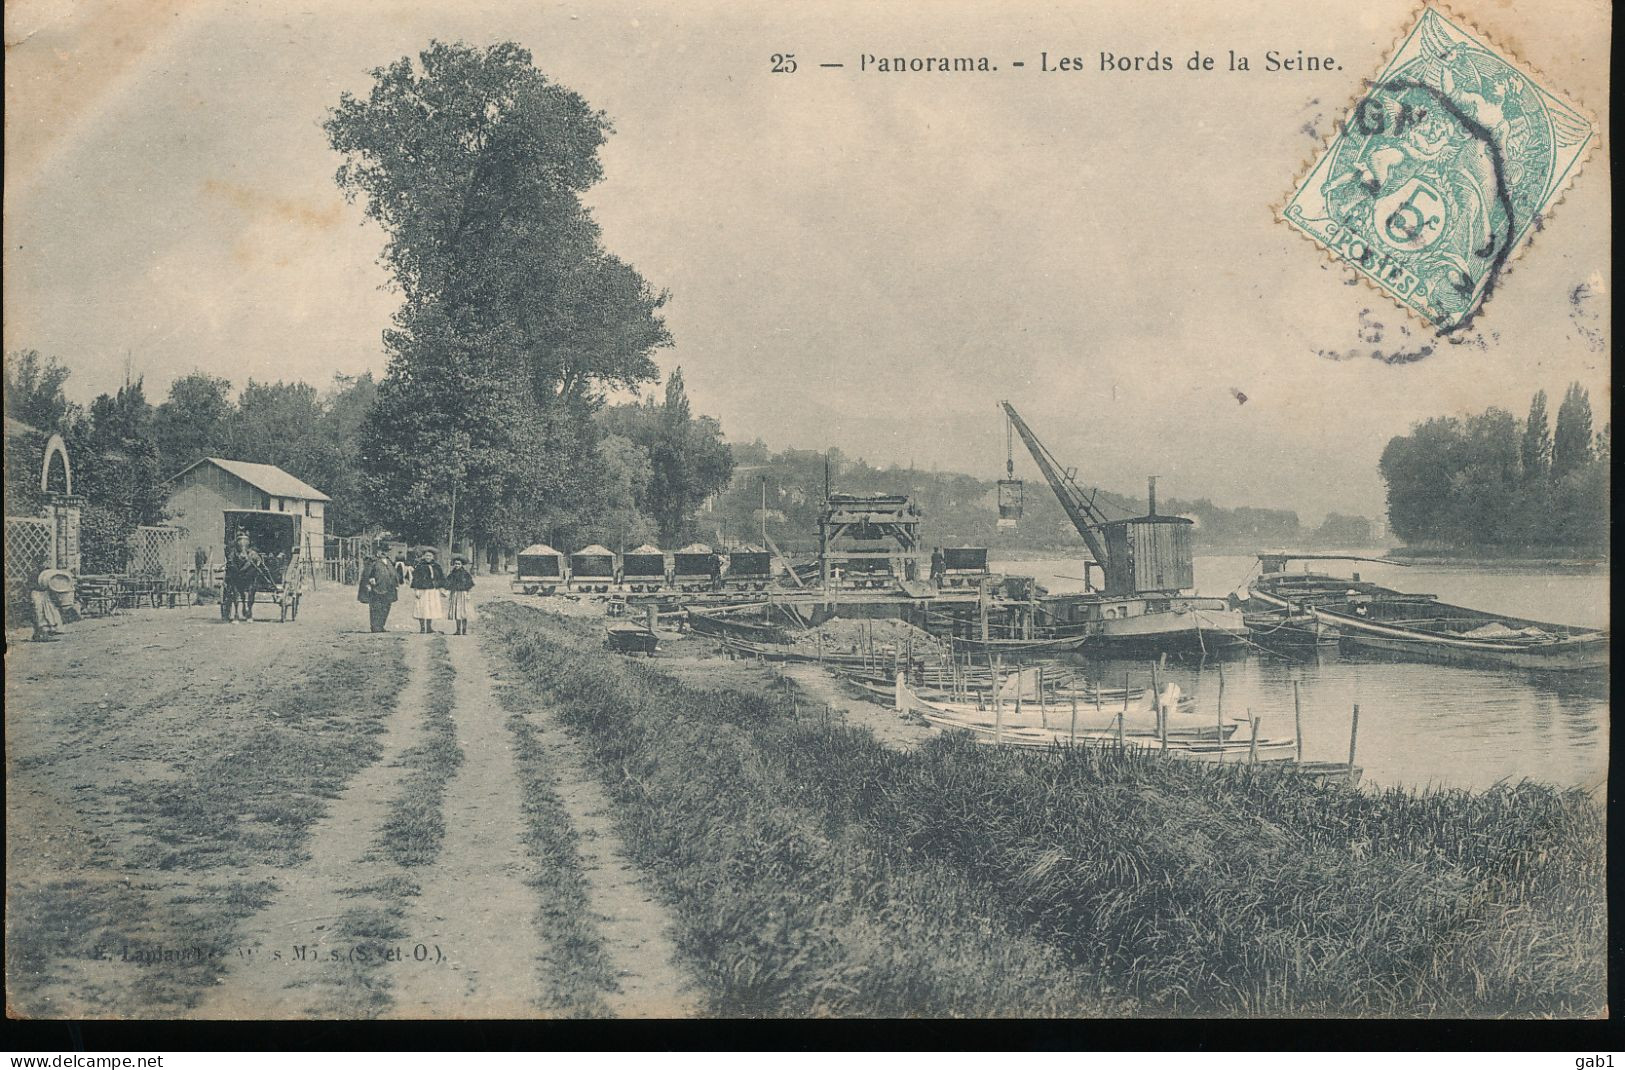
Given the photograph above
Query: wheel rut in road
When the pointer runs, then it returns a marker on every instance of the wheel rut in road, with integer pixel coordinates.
(634, 923)
(474, 904)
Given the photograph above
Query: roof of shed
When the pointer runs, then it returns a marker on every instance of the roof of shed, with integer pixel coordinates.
(266, 477)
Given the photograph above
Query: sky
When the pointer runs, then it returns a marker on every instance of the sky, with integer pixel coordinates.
(854, 259)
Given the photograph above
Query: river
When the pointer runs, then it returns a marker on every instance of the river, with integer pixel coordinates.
(1420, 724)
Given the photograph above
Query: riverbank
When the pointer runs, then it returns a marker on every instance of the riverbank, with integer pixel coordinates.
(1557, 559)
(810, 869)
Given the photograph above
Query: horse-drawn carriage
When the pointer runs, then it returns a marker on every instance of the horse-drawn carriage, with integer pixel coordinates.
(274, 570)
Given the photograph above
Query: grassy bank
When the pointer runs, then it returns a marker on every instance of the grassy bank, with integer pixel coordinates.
(779, 910)
(814, 871)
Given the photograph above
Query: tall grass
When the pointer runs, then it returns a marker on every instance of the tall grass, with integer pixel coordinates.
(777, 912)
(1157, 886)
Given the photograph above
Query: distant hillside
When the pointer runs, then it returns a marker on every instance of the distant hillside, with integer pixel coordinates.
(963, 510)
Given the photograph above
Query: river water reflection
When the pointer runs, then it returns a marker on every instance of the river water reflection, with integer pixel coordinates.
(1420, 724)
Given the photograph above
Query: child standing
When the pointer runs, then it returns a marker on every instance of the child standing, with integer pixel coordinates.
(459, 582)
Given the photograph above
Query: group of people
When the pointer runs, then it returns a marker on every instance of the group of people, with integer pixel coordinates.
(437, 594)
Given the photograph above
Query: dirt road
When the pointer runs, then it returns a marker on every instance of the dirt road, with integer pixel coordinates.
(205, 821)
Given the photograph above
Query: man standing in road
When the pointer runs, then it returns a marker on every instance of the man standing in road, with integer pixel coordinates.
(378, 589)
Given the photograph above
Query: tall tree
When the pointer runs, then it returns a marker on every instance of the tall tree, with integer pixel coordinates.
(514, 319)
(623, 474)
(1536, 454)
(689, 460)
(1571, 444)
(194, 421)
(344, 414)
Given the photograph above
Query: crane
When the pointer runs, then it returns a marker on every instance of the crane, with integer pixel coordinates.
(1080, 508)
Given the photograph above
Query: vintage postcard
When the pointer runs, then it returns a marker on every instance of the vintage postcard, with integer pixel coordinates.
(713, 510)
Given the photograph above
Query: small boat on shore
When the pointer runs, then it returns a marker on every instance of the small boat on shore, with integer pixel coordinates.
(1176, 719)
(630, 639)
(1019, 647)
(881, 658)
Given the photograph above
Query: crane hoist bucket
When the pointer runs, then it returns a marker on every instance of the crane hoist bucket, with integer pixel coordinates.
(1010, 488)
(1010, 501)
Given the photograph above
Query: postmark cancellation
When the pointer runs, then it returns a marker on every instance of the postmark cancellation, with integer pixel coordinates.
(1440, 172)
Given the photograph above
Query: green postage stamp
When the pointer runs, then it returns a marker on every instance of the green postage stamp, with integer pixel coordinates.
(1441, 170)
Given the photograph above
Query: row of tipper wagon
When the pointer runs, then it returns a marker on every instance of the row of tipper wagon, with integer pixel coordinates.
(597, 569)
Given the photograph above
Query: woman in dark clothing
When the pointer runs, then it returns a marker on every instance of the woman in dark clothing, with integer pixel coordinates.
(459, 603)
(427, 581)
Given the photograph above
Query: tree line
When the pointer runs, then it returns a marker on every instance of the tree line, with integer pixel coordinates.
(515, 326)
(1492, 481)
(649, 466)
(959, 509)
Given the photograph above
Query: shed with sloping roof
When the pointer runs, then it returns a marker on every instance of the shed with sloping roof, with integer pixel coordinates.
(199, 495)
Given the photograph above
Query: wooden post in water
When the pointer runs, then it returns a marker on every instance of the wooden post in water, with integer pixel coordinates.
(1043, 710)
(1162, 715)
(1120, 719)
(998, 705)
(1354, 735)
(1125, 692)
(1297, 717)
(1252, 743)
(1221, 692)
(1220, 718)
(1074, 737)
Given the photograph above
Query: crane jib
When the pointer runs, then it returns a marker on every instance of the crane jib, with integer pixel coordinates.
(1082, 512)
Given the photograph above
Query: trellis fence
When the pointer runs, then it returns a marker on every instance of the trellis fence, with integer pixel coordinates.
(158, 553)
(30, 547)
